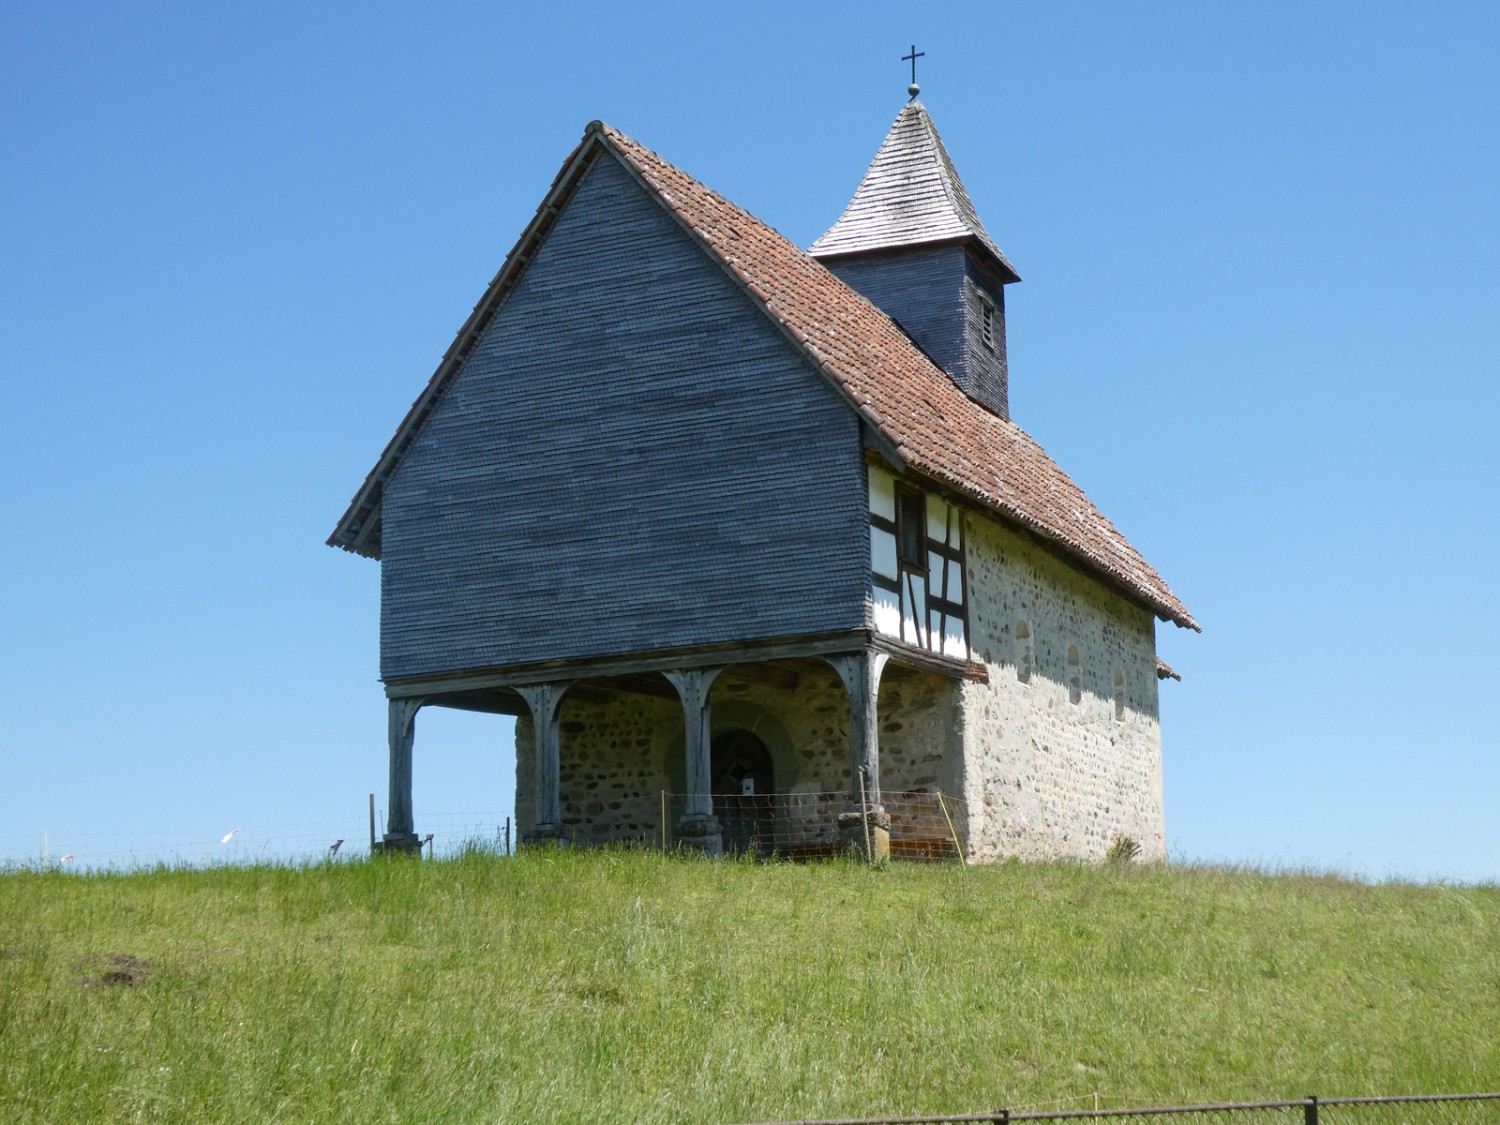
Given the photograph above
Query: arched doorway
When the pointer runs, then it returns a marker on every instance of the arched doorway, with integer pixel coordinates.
(743, 784)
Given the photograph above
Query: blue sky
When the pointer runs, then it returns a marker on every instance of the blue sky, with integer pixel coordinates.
(1261, 257)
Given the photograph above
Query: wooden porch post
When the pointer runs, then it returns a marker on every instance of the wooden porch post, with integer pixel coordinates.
(698, 828)
(861, 675)
(400, 835)
(545, 701)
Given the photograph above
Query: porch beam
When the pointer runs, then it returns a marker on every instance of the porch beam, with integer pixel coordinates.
(910, 656)
(866, 825)
(706, 656)
(698, 828)
(400, 833)
(545, 702)
(769, 674)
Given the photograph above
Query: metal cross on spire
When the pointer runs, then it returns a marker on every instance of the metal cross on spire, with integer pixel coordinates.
(912, 58)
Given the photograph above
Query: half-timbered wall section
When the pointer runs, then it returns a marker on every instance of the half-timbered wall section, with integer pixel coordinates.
(917, 576)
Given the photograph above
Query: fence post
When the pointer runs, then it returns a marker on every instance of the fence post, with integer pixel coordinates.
(1310, 1112)
(953, 832)
(507, 835)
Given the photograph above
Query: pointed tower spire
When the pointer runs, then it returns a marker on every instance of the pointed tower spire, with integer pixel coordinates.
(911, 241)
(911, 194)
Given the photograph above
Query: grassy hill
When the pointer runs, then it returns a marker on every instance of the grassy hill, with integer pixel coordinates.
(622, 986)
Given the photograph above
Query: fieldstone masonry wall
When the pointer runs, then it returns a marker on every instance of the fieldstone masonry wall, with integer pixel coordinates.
(1060, 760)
(618, 756)
(613, 767)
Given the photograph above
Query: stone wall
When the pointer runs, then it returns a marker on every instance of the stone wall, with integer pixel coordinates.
(1062, 747)
(921, 748)
(619, 755)
(613, 767)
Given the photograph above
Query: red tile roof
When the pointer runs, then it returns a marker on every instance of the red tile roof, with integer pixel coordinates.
(902, 395)
(910, 401)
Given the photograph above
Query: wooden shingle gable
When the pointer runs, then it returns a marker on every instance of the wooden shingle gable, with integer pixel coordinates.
(631, 459)
(358, 530)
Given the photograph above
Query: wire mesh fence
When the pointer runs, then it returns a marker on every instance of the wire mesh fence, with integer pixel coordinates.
(1415, 1109)
(925, 825)
(334, 840)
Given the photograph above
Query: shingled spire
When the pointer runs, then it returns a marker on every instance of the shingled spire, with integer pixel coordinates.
(911, 241)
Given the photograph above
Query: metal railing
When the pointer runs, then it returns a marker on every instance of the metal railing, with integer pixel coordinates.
(1411, 1109)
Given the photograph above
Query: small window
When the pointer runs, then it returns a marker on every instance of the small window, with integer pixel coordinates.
(1024, 657)
(987, 313)
(1119, 695)
(911, 529)
(1075, 676)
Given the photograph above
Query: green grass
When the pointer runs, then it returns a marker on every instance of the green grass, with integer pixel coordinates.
(620, 986)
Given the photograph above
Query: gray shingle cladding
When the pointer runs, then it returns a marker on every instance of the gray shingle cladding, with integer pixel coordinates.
(910, 195)
(986, 376)
(632, 459)
(934, 293)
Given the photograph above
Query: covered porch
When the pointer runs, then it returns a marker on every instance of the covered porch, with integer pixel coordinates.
(796, 749)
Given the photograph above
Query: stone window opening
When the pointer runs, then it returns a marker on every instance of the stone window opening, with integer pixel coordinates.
(1024, 659)
(1075, 676)
(1119, 695)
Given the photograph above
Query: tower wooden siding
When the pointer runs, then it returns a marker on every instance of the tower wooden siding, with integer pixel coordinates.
(934, 293)
(987, 373)
(633, 459)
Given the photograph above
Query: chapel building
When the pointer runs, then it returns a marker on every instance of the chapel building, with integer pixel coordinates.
(745, 538)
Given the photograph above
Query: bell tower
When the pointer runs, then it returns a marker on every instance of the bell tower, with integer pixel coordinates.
(911, 242)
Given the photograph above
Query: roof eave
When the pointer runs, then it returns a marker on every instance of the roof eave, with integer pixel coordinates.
(1008, 274)
(358, 528)
(1167, 610)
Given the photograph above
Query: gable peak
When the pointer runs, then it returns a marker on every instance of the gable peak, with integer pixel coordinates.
(910, 195)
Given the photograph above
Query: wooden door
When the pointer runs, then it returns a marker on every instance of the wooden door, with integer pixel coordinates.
(744, 784)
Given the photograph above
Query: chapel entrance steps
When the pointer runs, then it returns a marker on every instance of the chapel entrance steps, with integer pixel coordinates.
(926, 826)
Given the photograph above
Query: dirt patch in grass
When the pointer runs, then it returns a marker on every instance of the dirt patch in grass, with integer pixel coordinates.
(115, 970)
